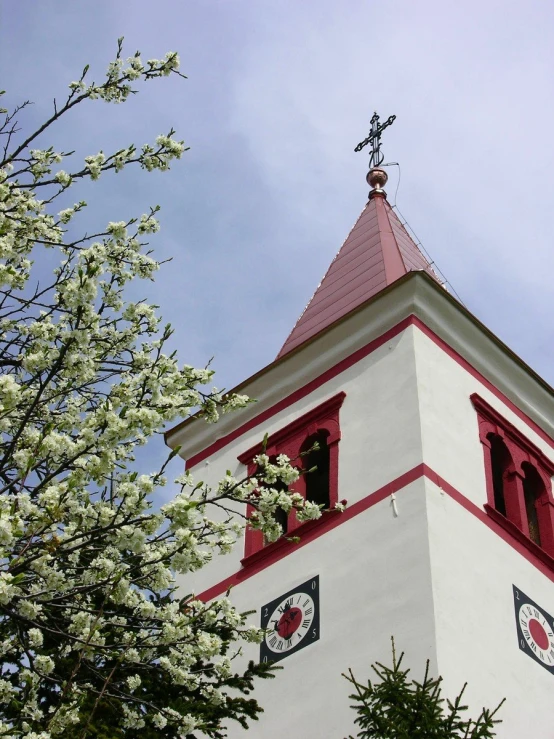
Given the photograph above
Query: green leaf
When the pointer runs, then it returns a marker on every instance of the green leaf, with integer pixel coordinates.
(174, 452)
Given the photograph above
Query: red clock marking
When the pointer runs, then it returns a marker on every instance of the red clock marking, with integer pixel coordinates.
(289, 622)
(539, 634)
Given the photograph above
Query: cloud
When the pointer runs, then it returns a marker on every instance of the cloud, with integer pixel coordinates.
(470, 85)
(278, 95)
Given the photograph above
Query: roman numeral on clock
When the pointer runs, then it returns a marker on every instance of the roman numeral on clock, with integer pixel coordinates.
(287, 605)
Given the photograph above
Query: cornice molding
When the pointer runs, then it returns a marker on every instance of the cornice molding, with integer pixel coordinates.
(415, 295)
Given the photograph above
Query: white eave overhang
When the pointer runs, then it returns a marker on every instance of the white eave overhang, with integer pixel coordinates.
(414, 294)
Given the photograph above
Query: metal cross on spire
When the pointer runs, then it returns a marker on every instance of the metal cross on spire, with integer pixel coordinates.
(374, 138)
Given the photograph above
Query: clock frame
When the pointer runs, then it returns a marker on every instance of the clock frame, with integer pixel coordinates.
(291, 621)
(535, 630)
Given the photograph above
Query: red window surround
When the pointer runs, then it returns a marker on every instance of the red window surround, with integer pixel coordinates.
(519, 482)
(290, 440)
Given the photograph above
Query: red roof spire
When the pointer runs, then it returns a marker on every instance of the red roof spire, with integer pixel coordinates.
(377, 252)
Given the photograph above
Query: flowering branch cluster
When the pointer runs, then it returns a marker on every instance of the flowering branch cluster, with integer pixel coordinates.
(90, 623)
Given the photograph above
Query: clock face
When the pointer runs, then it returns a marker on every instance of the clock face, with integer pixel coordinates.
(291, 622)
(535, 630)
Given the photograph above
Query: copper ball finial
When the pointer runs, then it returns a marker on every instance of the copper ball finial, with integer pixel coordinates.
(377, 178)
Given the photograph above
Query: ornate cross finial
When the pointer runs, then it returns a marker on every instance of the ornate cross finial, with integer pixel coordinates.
(374, 138)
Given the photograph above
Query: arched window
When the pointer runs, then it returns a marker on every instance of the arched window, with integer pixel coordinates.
(518, 478)
(533, 489)
(317, 480)
(321, 425)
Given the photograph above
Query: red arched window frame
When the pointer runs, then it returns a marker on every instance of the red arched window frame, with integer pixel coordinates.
(289, 440)
(523, 461)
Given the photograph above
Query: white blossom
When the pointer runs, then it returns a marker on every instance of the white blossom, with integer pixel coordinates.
(94, 164)
(44, 664)
(35, 637)
(159, 721)
(63, 178)
(133, 681)
(87, 561)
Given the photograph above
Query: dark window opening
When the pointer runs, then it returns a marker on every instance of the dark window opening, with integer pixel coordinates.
(532, 491)
(282, 518)
(317, 481)
(280, 515)
(500, 462)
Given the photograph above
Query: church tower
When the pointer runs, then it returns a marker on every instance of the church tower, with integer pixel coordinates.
(439, 441)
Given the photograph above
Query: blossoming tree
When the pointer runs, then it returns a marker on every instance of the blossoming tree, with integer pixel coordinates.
(94, 638)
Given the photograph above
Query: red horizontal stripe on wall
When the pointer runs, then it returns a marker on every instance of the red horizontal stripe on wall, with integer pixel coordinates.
(331, 520)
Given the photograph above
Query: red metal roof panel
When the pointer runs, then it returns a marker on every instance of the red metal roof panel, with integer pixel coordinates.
(377, 251)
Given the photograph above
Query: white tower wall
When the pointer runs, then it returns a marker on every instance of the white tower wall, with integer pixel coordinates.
(432, 570)
(473, 571)
(375, 581)
(473, 568)
(380, 431)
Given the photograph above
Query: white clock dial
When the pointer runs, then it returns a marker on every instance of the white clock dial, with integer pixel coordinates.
(538, 633)
(290, 622)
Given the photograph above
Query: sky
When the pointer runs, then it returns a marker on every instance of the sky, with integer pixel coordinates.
(277, 96)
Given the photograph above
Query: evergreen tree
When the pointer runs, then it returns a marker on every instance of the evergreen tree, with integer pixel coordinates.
(395, 708)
